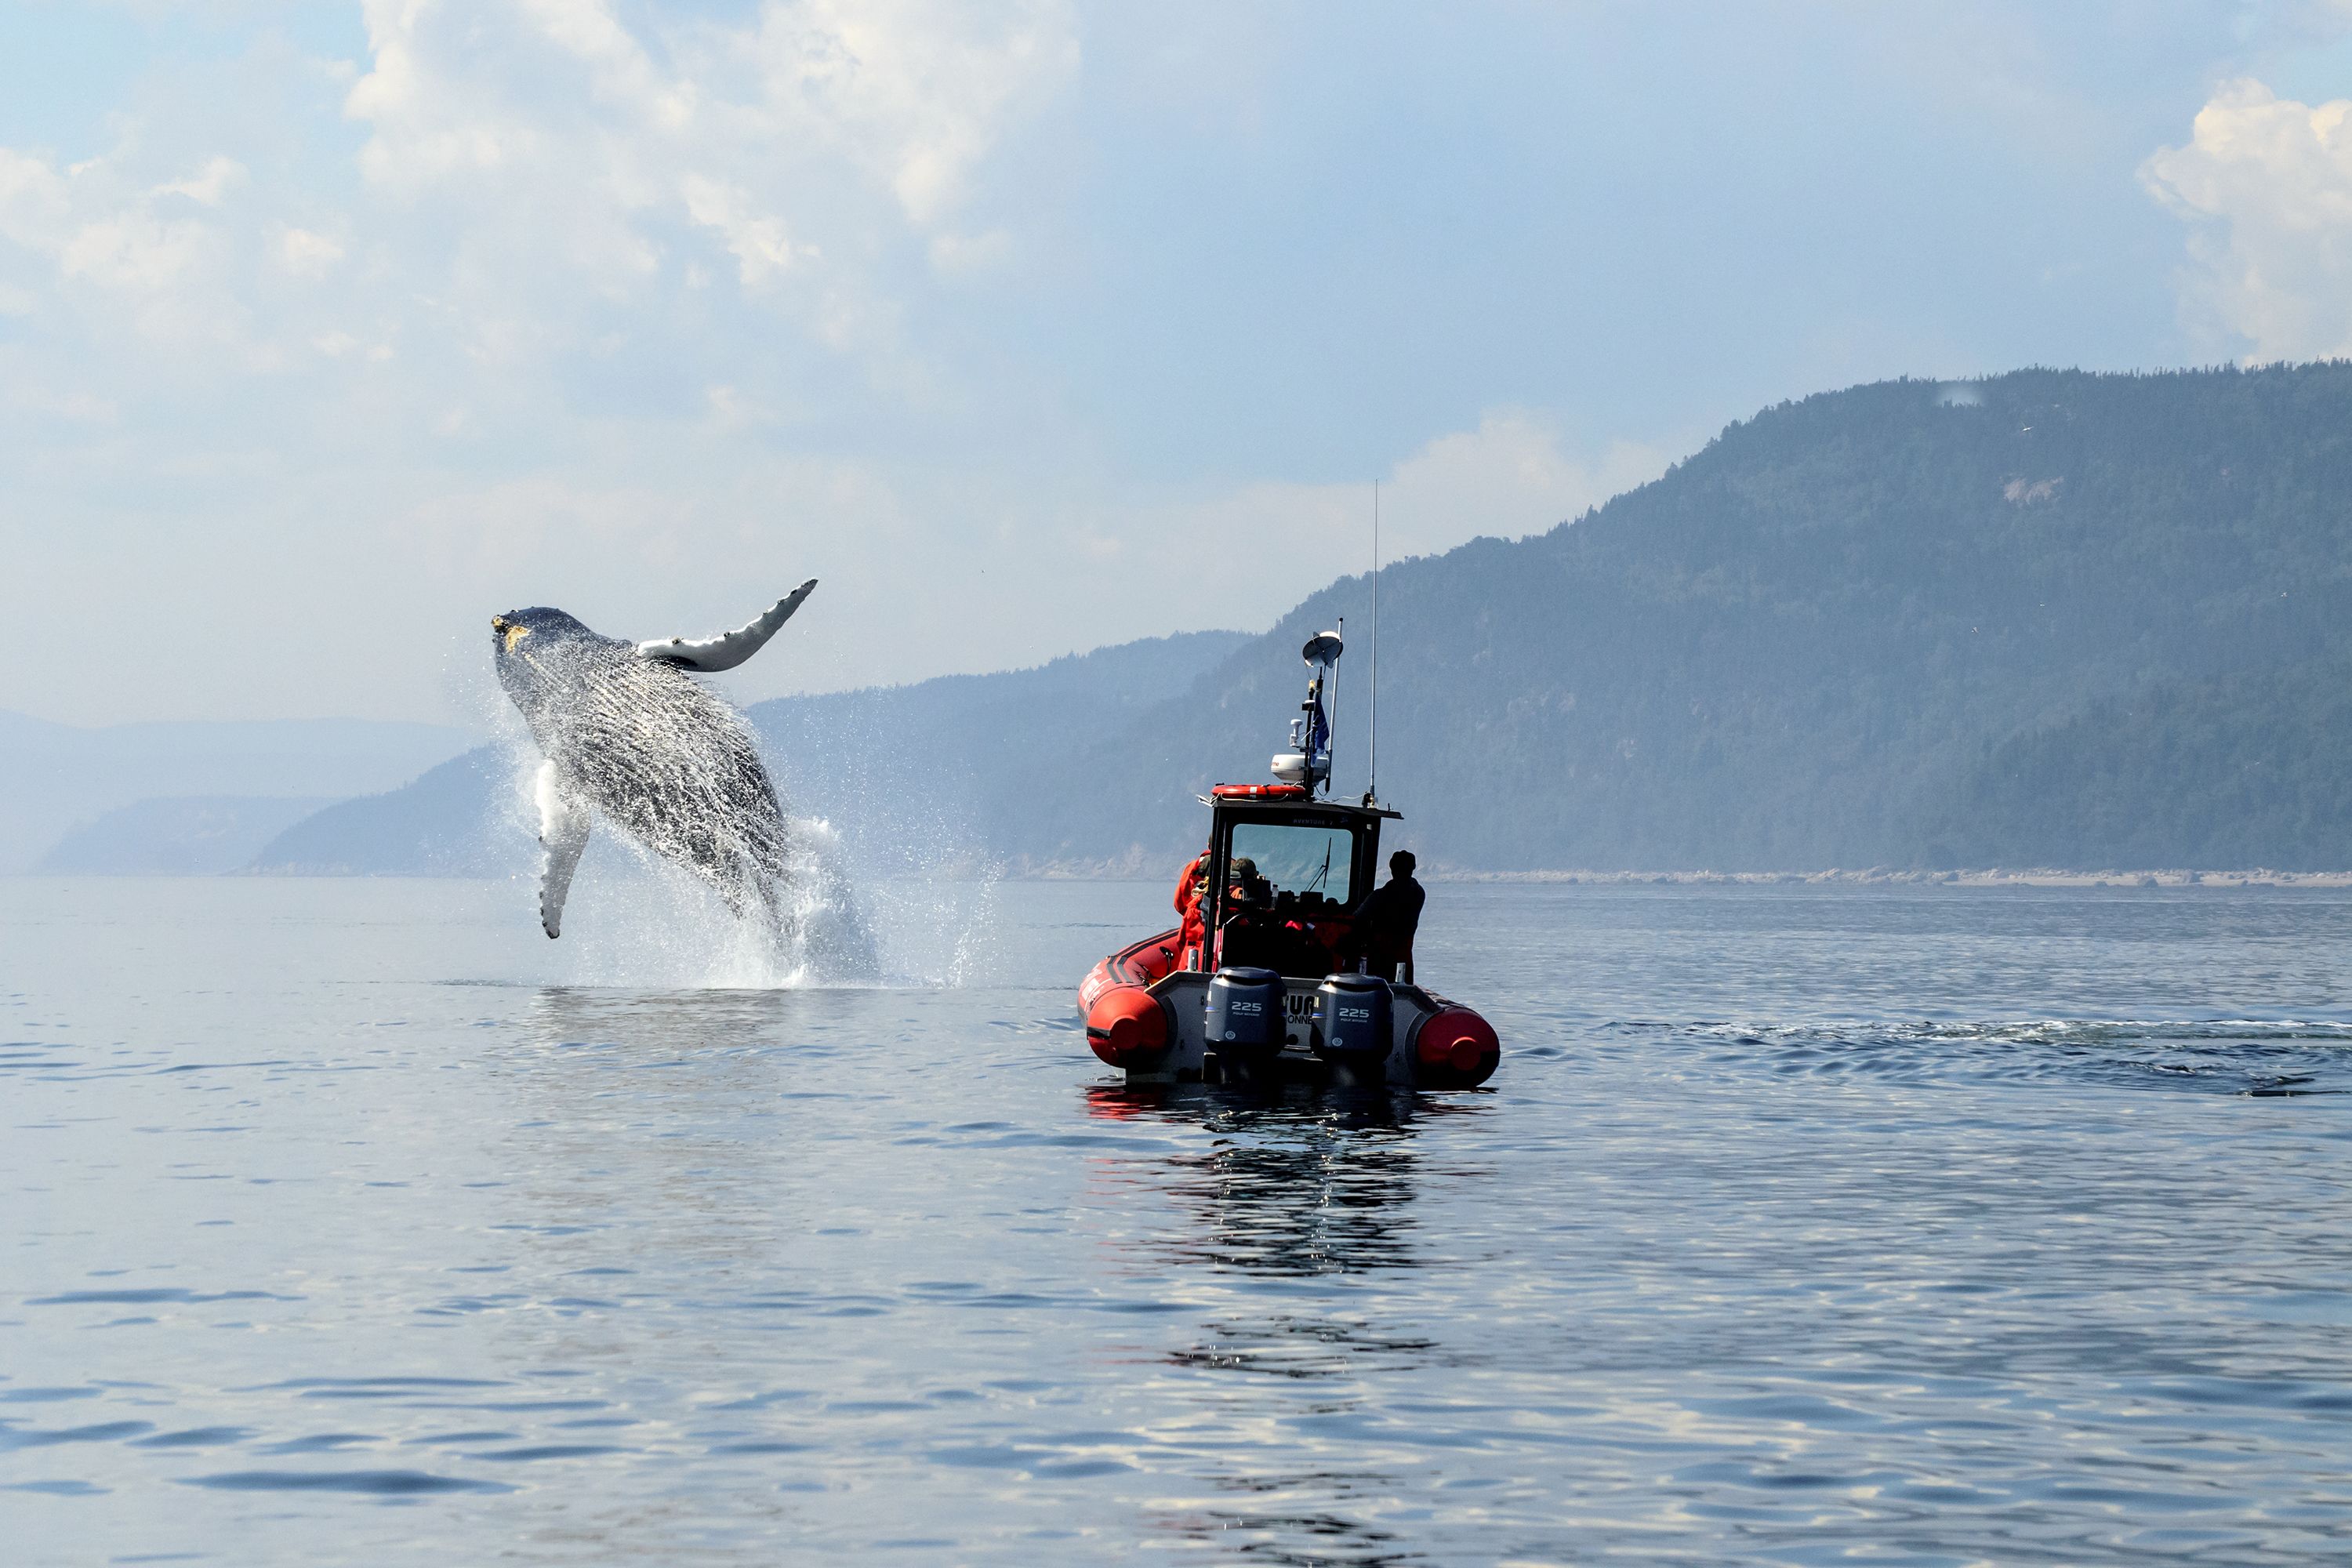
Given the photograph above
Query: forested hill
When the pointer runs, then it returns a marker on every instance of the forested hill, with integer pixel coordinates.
(2051, 618)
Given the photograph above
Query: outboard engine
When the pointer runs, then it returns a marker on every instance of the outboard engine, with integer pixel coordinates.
(1354, 1036)
(1244, 1016)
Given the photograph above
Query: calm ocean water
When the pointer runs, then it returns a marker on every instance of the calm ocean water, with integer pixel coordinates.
(356, 1222)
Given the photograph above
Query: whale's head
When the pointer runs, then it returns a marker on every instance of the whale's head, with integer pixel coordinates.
(532, 647)
(549, 627)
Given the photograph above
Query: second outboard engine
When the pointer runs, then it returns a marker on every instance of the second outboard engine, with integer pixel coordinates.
(1354, 1036)
(1244, 1014)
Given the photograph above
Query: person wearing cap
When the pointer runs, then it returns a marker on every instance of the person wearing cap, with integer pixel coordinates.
(1249, 905)
(1388, 917)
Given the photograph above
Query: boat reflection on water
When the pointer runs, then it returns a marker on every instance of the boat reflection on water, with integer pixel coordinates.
(1303, 1184)
(1286, 1217)
(1296, 1187)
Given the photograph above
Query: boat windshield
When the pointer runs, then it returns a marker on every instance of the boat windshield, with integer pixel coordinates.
(1301, 860)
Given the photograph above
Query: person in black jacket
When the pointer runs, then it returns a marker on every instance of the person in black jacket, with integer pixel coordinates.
(1388, 917)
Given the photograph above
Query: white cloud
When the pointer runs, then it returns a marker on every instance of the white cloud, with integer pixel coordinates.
(676, 306)
(731, 410)
(131, 251)
(954, 253)
(536, 178)
(585, 154)
(95, 243)
(2266, 184)
(81, 408)
(1507, 478)
(208, 185)
(920, 88)
(306, 253)
(757, 240)
(35, 200)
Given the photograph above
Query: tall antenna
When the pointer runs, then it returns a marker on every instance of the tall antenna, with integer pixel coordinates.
(1372, 729)
(1341, 630)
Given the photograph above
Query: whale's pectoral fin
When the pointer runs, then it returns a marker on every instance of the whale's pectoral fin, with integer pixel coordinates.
(563, 835)
(728, 649)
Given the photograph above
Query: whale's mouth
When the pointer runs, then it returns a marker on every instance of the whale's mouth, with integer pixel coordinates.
(513, 631)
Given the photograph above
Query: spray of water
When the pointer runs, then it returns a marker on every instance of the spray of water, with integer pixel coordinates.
(694, 876)
(639, 922)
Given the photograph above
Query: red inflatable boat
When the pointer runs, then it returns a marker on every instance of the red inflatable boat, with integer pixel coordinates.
(1268, 978)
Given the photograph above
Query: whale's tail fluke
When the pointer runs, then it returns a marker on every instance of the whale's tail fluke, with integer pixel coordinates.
(728, 649)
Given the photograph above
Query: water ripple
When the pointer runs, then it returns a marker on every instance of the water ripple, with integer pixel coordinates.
(1798, 1228)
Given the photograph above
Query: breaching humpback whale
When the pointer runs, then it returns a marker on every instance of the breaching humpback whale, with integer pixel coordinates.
(629, 734)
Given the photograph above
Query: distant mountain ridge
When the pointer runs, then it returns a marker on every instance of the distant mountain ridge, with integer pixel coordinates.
(175, 835)
(463, 818)
(54, 777)
(2066, 620)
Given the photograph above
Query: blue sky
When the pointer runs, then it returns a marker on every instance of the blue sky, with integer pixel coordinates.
(328, 330)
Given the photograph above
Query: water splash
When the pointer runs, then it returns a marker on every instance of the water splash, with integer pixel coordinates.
(638, 920)
(684, 901)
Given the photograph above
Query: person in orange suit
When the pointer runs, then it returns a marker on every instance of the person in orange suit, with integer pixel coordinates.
(1191, 884)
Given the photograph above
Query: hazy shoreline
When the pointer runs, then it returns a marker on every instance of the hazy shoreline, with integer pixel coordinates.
(1129, 869)
(2037, 877)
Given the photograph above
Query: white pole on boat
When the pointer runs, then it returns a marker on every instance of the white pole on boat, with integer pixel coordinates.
(1372, 728)
(1331, 715)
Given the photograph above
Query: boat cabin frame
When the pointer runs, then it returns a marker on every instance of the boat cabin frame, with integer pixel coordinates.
(1292, 829)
